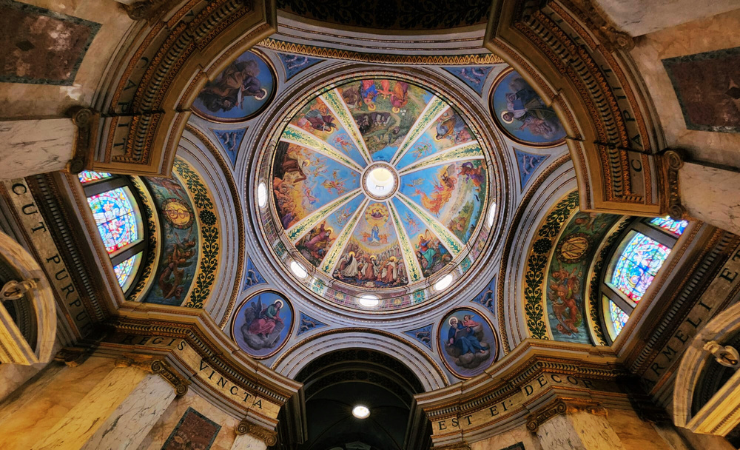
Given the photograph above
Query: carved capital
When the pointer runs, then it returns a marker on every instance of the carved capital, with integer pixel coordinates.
(672, 161)
(150, 364)
(598, 22)
(86, 121)
(149, 10)
(456, 446)
(563, 406)
(72, 356)
(269, 437)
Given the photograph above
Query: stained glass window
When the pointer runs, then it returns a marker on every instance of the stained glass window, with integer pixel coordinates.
(619, 318)
(676, 227)
(637, 266)
(126, 269)
(88, 176)
(116, 218)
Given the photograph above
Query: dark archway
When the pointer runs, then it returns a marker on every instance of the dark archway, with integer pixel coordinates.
(341, 380)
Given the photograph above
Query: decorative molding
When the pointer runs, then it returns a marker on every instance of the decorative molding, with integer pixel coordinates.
(269, 437)
(563, 406)
(515, 225)
(598, 22)
(377, 58)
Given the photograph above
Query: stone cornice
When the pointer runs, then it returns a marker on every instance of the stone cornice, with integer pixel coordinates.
(203, 336)
(518, 387)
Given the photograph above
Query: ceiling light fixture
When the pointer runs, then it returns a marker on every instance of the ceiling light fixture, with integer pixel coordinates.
(369, 301)
(443, 283)
(262, 195)
(298, 270)
(361, 412)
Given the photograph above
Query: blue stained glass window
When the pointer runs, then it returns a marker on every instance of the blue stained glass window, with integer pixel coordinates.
(88, 176)
(126, 269)
(116, 218)
(675, 227)
(637, 266)
(618, 317)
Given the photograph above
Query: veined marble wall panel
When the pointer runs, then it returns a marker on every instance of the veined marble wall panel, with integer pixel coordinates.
(638, 17)
(46, 400)
(509, 438)
(24, 100)
(161, 431)
(713, 33)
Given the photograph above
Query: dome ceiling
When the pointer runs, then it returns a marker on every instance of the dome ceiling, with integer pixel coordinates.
(378, 188)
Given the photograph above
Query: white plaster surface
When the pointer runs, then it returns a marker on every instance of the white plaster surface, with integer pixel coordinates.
(710, 34)
(638, 17)
(29, 147)
(711, 195)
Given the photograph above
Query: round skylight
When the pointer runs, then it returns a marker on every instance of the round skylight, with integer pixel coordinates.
(369, 301)
(361, 412)
(298, 270)
(262, 195)
(491, 214)
(380, 182)
(443, 283)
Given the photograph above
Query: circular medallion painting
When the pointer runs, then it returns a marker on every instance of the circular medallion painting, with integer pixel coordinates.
(263, 324)
(238, 93)
(177, 213)
(522, 114)
(467, 342)
(380, 185)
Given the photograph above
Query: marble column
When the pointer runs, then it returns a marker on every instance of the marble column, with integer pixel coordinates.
(29, 147)
(711, 194)
(574, 425)
(248, 442)
(117, 413)
(250, 436)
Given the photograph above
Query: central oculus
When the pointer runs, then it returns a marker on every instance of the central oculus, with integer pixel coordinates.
(380, 181)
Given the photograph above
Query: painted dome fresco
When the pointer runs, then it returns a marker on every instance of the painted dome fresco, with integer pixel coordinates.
(375, 192)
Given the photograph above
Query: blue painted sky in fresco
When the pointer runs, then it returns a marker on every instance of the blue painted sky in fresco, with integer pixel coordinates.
(320, 173)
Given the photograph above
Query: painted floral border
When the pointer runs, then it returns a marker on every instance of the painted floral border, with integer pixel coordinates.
(210, 245)
(535, 269)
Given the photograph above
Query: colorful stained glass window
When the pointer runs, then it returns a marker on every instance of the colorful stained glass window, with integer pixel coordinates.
(126, 269)
(676, 227)
(116, 218)
(88, 176)
(618, 317)
(637, 266)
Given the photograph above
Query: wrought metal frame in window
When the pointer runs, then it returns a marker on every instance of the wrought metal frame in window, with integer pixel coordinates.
(138, 248)
(610, 294)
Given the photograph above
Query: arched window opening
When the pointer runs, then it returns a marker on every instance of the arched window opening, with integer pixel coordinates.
(115, 207)
(636, 261)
